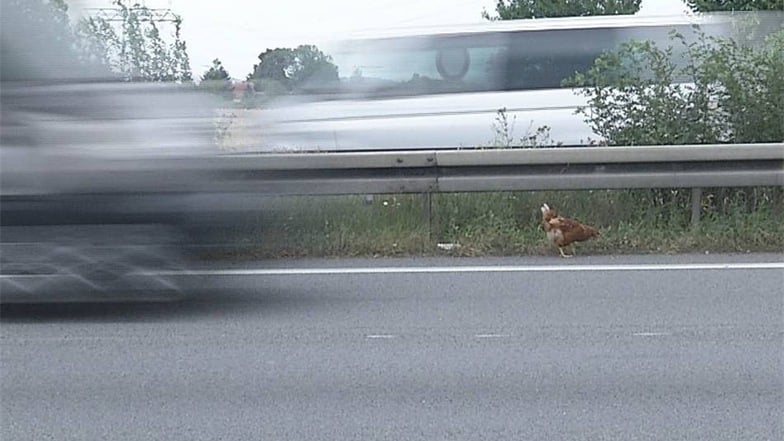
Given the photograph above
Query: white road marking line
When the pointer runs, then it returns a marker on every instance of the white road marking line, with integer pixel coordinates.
(651, 334)
(468, 269)
(380, 336)
(84, 338)
(492, 336)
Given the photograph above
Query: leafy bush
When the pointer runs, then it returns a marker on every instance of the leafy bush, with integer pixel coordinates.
(711, 90)
(750, 88)
(723, 92)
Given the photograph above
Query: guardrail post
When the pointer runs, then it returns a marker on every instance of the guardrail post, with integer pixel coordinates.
(778, 203)
(427, 212)
(696, 205)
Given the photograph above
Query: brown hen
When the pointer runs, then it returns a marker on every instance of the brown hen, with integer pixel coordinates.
(563, 231)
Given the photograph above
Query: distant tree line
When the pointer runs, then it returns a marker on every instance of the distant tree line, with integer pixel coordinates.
(517, 9)
(735, 5)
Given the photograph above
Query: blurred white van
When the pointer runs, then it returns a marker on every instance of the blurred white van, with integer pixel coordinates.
(443, 87)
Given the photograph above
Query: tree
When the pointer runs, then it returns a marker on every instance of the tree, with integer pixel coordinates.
(38, 41)
(735, 5)
(216, 80)
(302, 68)
(216, 72)
(135, 47)
(514, 9)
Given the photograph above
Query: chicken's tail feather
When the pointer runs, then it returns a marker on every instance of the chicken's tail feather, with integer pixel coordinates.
(591, 231)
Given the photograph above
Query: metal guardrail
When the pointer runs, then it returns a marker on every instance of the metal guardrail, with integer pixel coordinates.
(429, 171)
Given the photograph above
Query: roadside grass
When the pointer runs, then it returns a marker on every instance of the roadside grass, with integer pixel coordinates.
(507, 223)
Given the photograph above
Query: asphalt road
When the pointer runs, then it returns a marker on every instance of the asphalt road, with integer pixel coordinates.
(540, 349)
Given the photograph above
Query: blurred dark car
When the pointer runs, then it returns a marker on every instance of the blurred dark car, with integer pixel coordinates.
(96, 183)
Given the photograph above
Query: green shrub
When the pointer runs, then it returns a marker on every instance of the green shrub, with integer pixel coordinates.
(711, 90)
(707, 91)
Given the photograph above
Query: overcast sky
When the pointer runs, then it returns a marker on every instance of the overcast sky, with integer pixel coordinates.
(237, 31)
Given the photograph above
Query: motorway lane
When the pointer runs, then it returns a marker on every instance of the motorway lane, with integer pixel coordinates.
(611, 354)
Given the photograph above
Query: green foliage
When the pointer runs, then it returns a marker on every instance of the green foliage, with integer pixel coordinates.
(514, 9)
(750, 88)
(709, 91)
(293, 70)
(723, 92)
(504, 134)
(634, 99)
(135, 47)
(735, 5)
(38, 41)
(216, 80)
(216, 72)
(508, 223)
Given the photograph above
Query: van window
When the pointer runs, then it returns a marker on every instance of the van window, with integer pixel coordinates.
(421, 65)
(477, 62)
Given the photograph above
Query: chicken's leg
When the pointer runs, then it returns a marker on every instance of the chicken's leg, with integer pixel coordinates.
(563, 254)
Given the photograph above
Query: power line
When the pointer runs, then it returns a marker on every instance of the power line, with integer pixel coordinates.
(143, 14)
